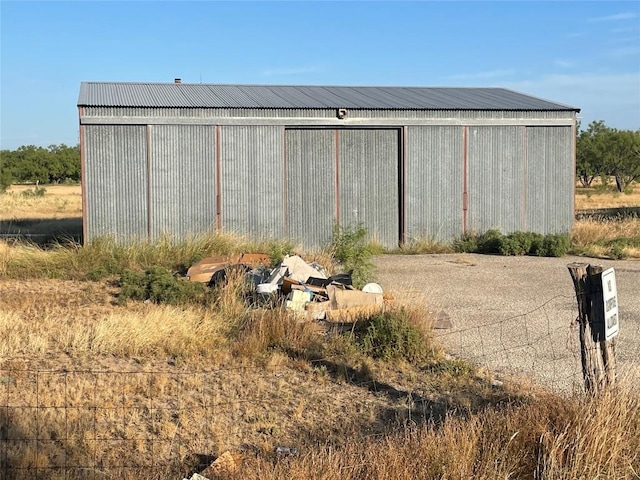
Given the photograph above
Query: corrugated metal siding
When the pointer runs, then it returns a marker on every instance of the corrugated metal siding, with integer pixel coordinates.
(368, 183)
(252, 171)
(550, 179)
(116, 182)
(311, 176)
(320, 113)
(434, 181)
(304, 96)
(496, 178)
(183, 180)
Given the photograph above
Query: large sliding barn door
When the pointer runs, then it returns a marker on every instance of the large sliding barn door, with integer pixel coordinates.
(346, 176)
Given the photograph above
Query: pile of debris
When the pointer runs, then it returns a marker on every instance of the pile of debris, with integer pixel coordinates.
(304, 288)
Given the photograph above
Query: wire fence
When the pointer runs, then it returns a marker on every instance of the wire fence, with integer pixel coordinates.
(95, 424)
(541, 344)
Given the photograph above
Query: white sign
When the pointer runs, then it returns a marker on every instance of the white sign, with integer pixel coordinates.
(610, 297)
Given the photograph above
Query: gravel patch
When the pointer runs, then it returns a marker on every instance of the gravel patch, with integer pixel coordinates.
(514, 315)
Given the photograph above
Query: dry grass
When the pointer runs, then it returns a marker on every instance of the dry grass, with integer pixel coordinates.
(163, 390)
(599, 197)
(59, 201)
(551, 439)
(615, 238)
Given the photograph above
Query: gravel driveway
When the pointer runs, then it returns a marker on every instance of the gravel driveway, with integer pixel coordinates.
(514, 315)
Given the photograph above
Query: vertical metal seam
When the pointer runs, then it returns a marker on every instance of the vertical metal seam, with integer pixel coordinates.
(525, 158)
(218, 180)
(465, 178)
(285, 179)
(149, 176)
(574, 134)
(402, 132)
(337, 162)
(83, 177)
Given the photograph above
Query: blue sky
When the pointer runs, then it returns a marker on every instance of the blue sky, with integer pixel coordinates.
(584, 54)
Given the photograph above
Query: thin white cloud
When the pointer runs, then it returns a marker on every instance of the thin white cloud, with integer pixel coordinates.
(562, 63)
(491, 74)
(624, 52)
(286, 71)
(614, 18)
(612, 97)
(623, 29)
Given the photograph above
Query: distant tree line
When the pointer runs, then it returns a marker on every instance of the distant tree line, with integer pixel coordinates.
(31, 164)
(607, 152)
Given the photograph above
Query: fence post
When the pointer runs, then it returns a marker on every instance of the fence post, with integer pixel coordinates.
(607, 348)
(598, 356)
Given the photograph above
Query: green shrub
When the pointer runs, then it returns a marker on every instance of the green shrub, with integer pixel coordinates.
(37, 192)
(158, 285)
(390, 335)
(521, 243)
(351, 249)
(554, 245)
(490, 241)
(466, 243)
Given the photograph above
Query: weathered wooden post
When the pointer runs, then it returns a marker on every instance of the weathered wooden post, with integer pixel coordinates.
(597, 351)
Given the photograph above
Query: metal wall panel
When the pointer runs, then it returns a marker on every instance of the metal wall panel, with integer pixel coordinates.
(115, 182)
(550, 178)
(252, 172)
(368, 183)
(434, 182)
(310, 185)
(496, 178)
(182, 180)
(321, 113)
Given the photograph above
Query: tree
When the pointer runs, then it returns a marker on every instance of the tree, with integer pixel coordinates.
(623, 156)
(590, 149)
(604, 151)
(31, 164)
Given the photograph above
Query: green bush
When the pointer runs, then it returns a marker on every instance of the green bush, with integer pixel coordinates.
(467, 243)
(490, 241)
(37, 192)
(521, 243)
(516, 243)
(158, 285)
(390, 335)
(351, 249)
(554, 245)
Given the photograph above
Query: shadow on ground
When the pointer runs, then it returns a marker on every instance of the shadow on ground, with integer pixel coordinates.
(42, 231)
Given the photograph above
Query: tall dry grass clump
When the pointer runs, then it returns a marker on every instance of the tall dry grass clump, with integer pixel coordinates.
(151, 330)
(104, 257)
(617, 237)
(550, 439)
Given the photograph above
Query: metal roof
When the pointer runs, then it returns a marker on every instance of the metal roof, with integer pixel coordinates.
(190, 95)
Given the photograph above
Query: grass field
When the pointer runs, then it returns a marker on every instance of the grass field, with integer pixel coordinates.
(144, 390)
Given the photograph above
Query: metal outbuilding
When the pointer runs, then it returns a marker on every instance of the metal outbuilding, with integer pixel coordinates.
(292, 161)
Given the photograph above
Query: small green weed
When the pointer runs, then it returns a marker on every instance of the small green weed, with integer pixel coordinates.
(351, 249)
(390, 335)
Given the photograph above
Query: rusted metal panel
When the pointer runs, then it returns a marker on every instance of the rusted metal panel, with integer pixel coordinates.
(310, 185)
(496, 177)
(434, 182)
(182, 180)
(252, 174)
(368, 172)
(550, 178)
(115, 179)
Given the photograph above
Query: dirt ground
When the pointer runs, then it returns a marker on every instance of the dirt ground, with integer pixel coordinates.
(516, 315)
